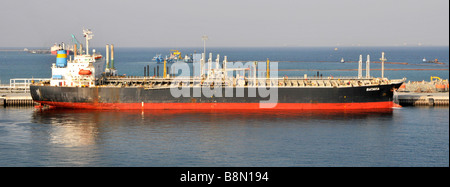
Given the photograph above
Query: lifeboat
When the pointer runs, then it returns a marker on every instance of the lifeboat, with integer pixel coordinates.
(84, 72)
(96, 57)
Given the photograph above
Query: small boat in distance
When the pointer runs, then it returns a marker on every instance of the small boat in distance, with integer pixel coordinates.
(158, 58)
(57, 47)
(175, 56)
(436, 61)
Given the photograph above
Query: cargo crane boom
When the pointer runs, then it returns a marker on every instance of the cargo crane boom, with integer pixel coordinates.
(74, 40)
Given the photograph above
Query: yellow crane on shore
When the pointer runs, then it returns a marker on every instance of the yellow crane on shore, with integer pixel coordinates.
(434, 77)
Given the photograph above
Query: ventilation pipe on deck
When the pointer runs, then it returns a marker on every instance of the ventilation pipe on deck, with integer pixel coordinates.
(202, 65)
(165, 69)
(209, 64)
(74, 50)
(225, 67)
(112, 56)
(107, 58)
(360, 67)
(217, 61)
(368, 67)
(382, 64)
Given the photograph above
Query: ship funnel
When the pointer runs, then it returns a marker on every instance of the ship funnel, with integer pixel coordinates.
(61, 58)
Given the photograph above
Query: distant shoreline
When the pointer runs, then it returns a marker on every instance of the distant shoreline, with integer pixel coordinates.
(215, 47)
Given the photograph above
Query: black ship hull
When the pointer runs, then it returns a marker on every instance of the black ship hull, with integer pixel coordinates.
(104, 97)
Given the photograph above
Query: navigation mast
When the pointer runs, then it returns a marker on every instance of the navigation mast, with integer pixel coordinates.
(88, 35)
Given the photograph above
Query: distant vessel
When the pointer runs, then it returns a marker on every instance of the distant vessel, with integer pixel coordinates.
(436, 61)
(342, 60)
(175, 56)
(57, 47)
(158, 58)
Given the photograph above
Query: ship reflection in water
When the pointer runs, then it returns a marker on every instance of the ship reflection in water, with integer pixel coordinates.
(197, 138)
(97, 118)
(82, 127)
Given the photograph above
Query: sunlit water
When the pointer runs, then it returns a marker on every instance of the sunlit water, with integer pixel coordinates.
(398, 137)
(409, 136)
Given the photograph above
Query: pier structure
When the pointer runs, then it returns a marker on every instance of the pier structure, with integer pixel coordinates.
(423, 93)
(421, 99)
(425, 86)
(19, 85)
(17, 93)
(16, 99)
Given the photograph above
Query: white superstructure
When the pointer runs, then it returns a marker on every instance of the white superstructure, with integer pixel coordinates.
(84, 70)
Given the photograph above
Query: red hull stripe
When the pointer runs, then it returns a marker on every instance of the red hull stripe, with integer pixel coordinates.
(221, 106)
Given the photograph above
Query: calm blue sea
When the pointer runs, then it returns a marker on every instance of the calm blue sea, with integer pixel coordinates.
(408, 136)
(131, 61)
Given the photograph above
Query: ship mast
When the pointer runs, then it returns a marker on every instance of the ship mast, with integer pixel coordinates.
(88, 35)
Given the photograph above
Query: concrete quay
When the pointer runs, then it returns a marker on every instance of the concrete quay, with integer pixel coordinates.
(421, 99)
(423, 93)
(16, 99)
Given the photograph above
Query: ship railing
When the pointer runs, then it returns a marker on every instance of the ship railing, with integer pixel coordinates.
(285, 81)
(21, 84)
(398, 80)
(279, 78)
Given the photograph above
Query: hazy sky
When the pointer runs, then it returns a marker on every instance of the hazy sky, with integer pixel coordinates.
(181, 23)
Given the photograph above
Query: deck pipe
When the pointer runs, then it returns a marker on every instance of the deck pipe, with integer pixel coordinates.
(368, 67)
(107, 56)
(360, 67)
(112, 56)
(382, 64)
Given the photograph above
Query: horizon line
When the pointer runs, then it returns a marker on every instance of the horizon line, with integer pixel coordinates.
(331, 46)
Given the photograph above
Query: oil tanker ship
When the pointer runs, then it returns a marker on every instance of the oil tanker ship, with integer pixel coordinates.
(84, 82)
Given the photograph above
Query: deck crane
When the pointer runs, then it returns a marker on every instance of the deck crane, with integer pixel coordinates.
(74, 40)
